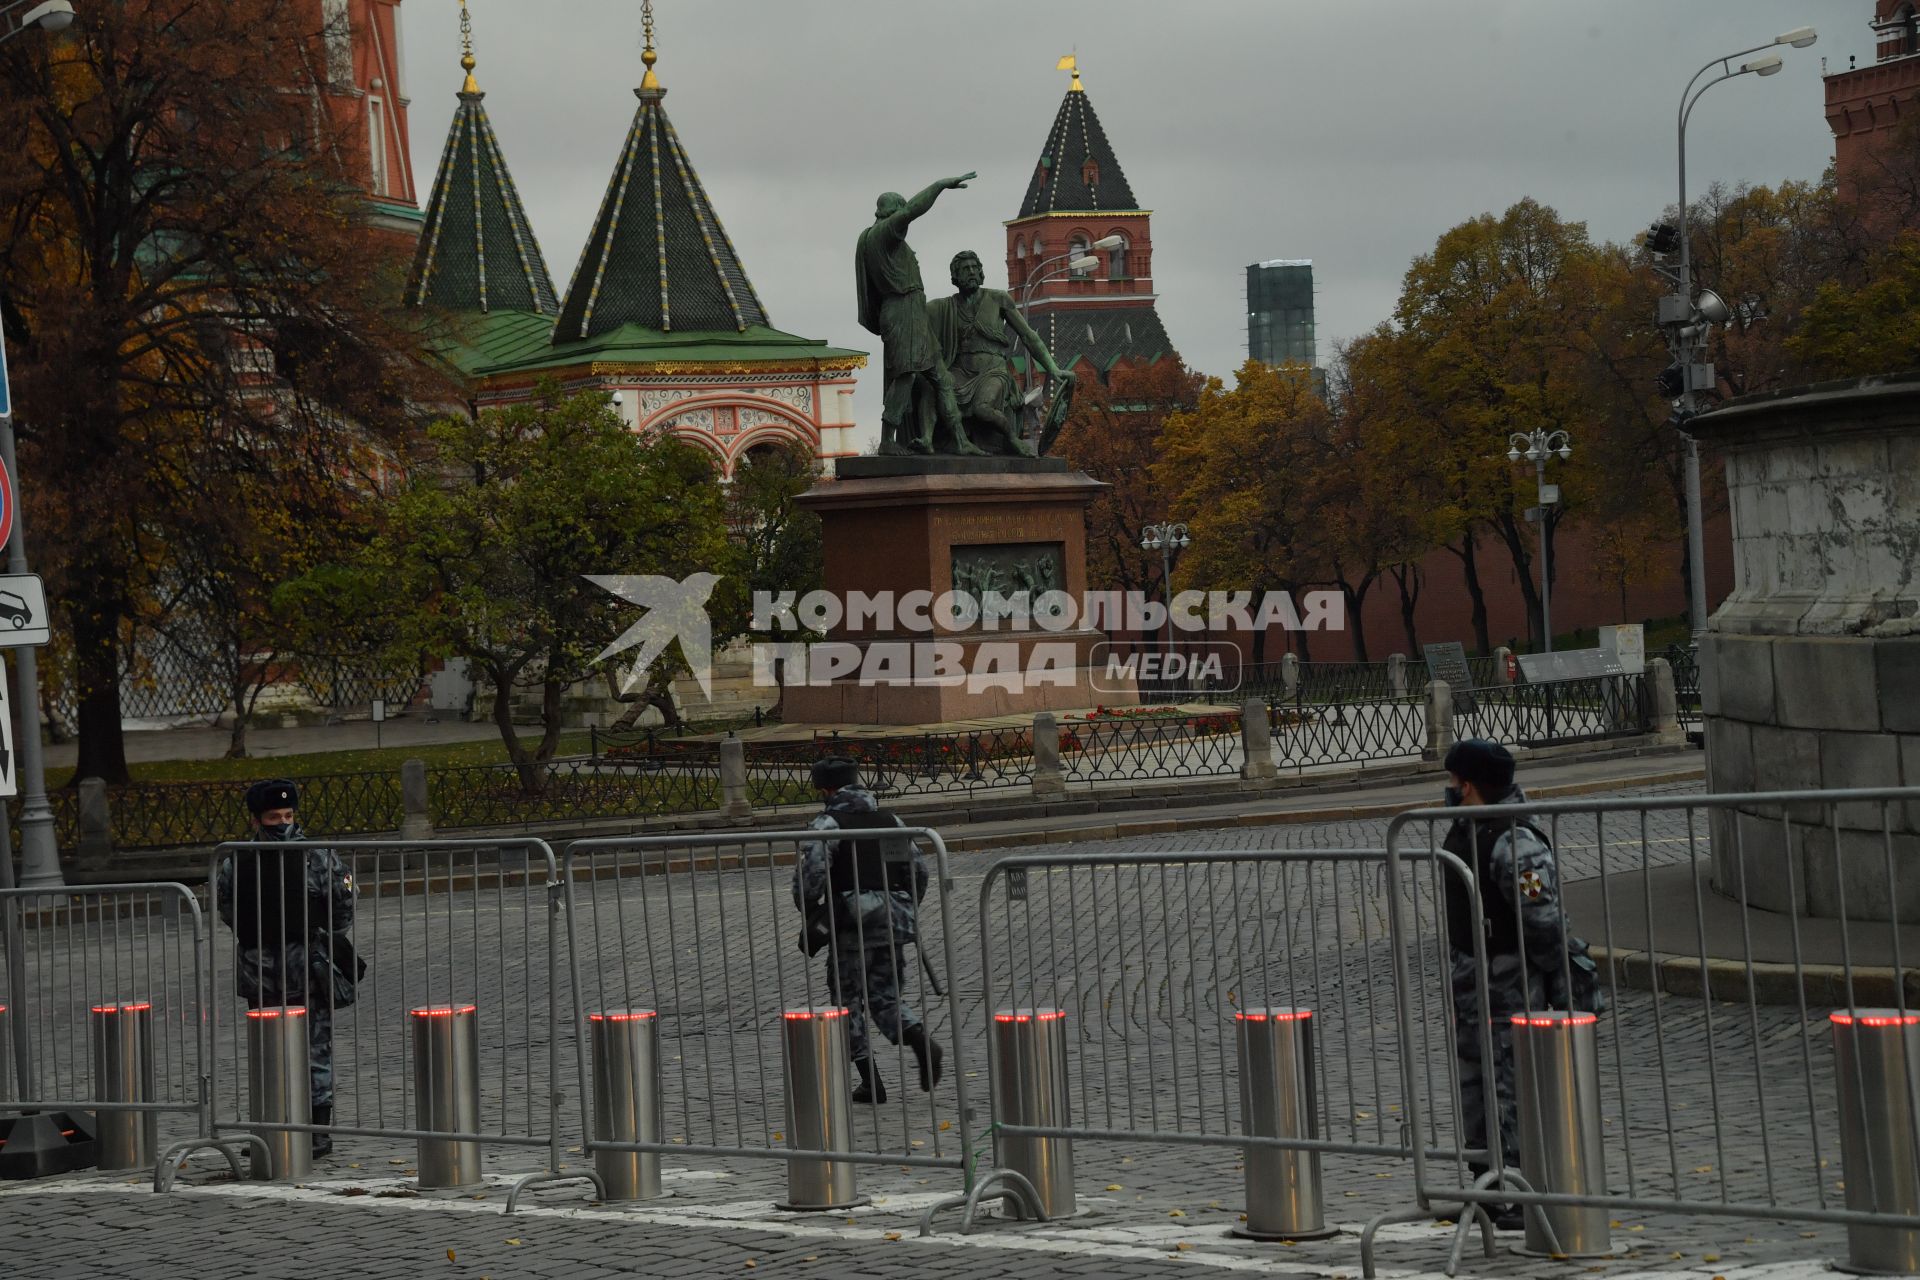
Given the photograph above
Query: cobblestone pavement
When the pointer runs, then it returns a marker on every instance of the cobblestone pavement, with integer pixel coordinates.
(1701, 1101)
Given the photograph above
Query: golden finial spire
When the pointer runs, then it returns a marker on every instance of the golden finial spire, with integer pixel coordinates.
(466, 50)
(649, 83)
(1071, 63)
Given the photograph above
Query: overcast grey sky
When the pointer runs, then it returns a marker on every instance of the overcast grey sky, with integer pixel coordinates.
(1349, 133)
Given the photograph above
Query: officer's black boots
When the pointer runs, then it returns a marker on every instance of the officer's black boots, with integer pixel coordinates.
(871, 1088)
(928, 1053)
(323, 1142)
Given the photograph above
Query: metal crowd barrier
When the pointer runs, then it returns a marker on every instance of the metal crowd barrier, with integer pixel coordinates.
(1153, 960)
(1760, 1049)
(697, 935)
(104, 988)
(452, 1037)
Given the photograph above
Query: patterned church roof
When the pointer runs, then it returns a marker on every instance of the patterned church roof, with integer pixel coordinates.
(1060, 182)
(1104, 336)
(477, 250)
(658, 256)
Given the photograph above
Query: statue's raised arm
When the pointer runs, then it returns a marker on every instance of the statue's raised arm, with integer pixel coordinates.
(923, 201)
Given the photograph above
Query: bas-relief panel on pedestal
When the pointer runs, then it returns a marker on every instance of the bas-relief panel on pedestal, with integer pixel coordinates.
(1008, 569)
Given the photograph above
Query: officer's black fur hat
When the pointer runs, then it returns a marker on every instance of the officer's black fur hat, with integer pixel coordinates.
(1487, 765)
(833, 773)
(274, 793)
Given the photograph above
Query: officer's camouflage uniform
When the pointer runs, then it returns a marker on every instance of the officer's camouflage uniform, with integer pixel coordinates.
(1515, 865)
(286, 948)
(873, 926)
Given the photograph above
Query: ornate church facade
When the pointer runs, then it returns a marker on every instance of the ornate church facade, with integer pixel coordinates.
(660, 311)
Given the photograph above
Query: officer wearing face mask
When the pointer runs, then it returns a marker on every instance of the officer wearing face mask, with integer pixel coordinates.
(291, 913)
(1533, 961)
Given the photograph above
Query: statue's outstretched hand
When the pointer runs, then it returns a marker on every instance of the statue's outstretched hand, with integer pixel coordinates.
(960, 183)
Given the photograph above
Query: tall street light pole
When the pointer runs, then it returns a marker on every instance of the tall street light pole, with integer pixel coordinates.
(1039, 276)
(41, 864)
(1536, 446)
(39, 851)
(1166, 539)
(1687, 324)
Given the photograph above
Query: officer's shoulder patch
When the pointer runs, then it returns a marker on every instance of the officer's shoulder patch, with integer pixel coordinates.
(1531, 884)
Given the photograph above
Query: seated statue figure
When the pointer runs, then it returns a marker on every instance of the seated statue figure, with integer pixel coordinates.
(972, 328)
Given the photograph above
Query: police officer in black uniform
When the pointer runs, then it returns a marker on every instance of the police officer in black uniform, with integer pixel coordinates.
(290, 913)
(1533, 961)
(860, 899)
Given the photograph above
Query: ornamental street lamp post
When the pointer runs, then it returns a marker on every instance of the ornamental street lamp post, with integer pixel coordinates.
(1687, 320)
(1166, 539)
(40, 852)
(41, 863)
(1536, 446)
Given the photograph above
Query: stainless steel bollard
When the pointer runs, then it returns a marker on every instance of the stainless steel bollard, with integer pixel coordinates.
(1556, 1069)
(813, 1043)
(1278, 1100)
(626, 1101)
(280, 1089)
(1030, 1088)
(1876, 1056)
(446, 1084)
(123, 1072)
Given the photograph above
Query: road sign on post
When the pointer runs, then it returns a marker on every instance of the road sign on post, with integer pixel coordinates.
(23, 609)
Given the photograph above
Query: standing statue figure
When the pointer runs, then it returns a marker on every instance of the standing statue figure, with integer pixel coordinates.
(893, 304)
(972, 328)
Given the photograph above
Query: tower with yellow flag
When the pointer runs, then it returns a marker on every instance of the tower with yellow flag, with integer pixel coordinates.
(1080, 253)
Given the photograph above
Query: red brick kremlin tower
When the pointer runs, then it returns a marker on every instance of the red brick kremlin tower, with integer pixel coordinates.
(1099, 316)
(1864, 104)
(367, 97)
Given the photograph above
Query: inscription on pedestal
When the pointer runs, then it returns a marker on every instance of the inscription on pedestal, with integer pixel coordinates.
(990, 528)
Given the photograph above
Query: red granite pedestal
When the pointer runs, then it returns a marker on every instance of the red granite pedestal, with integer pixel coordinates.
(895, 525)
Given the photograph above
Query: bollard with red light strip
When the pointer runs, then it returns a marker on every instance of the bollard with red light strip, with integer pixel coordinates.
(626, 1101)
(1556, 1067)
(123, 1072)
(1877, 1068)
(1277, 1100)
(446, 1082)
(1029, 1056)
(813, 1045)
(279, 1091)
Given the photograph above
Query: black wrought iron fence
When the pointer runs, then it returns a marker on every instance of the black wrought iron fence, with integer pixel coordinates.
(1563, 711)
(174, 815)
(1159, 747)
(65, 803)
(1685, 661)
(1360, 732)
(618, 743)
(574, 788)
(936, 763)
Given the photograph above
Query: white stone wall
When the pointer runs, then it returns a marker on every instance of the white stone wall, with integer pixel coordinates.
(1810, 672)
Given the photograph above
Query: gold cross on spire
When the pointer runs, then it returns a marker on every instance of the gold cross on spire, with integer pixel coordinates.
(648, 82)
(466, 50)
